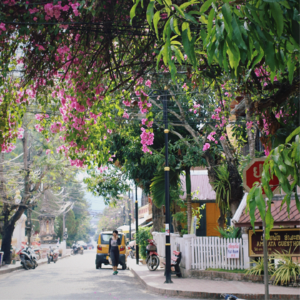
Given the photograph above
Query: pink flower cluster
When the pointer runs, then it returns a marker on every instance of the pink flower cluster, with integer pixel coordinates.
(55, 10)
(2, 28)
(147, 139)
(79, 163)
(20, 133)
(249, 124)
(102, 169)
(55, 127)
(147, 123)
(196, 106)
(48, 151)
(206, 146)
(39, 128)
(7, 147)
(41, 117)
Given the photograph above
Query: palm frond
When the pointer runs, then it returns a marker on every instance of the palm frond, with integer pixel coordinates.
(157, 186)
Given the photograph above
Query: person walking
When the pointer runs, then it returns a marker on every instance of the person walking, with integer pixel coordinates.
(114, 243)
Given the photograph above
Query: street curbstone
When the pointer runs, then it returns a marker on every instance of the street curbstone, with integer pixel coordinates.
(10, 270)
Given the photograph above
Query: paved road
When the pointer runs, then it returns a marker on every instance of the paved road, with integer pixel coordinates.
(73, 278)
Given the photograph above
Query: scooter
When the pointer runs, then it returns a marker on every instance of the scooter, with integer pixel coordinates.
(28, 258)
(131, 252)
(152, 256)
(52, 256)
(77, 249)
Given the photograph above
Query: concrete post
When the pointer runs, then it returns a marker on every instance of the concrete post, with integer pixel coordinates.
(246, 251)
(173, 241)
(188, 250)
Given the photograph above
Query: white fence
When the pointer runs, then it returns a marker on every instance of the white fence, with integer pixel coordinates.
(211, 252)
(200, 253)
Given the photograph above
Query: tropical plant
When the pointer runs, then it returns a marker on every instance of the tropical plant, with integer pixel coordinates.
(157, 186)
(222, 188)
(230, 232)
(258, 267)
(287, 270)
(142, 238)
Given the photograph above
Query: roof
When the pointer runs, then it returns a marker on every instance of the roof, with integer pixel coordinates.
(280, 216)
(200, 183)
(240, 209)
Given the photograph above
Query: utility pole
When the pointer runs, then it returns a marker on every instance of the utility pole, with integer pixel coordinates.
(28, 225)
(129, 214)
(167, 198)
(64, 225)
(266, 269)
(136, 226)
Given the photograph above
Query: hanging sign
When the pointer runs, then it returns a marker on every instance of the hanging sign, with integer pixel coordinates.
(233, 250)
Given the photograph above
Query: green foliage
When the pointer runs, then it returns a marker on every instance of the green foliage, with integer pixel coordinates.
(258, 268)
(237, 271)
(222, 187)
(157, 186)
(287, 270)
(230, 232)
(230, 36)
(141, 239)
(284, 162)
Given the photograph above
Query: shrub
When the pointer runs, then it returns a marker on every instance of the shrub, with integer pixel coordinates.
(258, 268)
(287, 270)
(230, 232)
(141, 239)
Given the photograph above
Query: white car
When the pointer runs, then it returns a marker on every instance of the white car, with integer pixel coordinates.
(83, 244)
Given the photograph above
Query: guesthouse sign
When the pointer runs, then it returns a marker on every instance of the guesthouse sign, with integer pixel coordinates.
(281, 240)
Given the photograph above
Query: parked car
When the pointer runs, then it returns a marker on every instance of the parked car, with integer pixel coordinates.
(90, 246)
(82, 244)
(102, 256)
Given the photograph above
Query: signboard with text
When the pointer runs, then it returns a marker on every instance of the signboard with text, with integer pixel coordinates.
(253, 172)
(281, 240)
(233, 250)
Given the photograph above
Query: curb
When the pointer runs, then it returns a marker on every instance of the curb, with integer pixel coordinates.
(205, 295)
(21, 267)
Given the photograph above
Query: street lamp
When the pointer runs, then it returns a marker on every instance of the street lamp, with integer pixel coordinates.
(167, 186)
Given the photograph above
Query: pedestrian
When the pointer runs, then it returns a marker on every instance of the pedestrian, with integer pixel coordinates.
(114, 243)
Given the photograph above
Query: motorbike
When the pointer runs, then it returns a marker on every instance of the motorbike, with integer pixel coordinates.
(28, 258)
(131, 251)
(77, 249)
(52, 256)
(230, 297)
(152, 256)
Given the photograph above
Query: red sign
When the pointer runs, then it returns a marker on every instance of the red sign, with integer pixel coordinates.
(253, 172)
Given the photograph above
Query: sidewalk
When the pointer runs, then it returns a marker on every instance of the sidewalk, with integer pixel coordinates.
(11, 268)
(206, 289)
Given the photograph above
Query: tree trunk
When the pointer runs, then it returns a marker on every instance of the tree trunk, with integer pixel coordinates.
(158, 218)
(251, 135)
(6, 242)
(188, 197)
(235, 180)
(221, 220)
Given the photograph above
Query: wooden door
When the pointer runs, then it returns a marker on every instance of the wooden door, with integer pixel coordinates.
(212, 215)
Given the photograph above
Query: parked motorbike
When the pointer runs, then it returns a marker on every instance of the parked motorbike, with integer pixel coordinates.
(230, 297)
(77, 249)
(131, 252)
(52, 255)
(152, 256)
(28, 258)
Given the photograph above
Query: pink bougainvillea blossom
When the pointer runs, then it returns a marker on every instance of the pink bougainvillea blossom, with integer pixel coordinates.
(206, 146)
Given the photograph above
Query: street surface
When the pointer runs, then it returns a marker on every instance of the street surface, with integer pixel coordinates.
(74, 277)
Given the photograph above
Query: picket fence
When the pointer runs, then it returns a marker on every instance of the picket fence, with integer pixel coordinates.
(211, 252)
